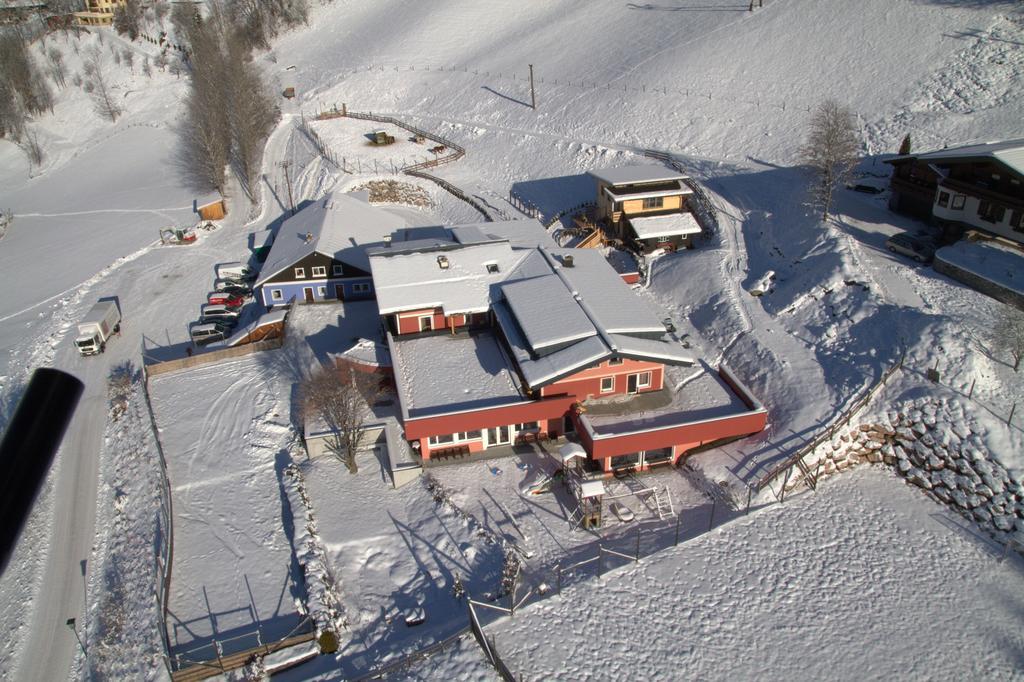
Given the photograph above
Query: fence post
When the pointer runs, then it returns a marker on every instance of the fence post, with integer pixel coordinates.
(817, 469)
(785, 480)
(1009, 419)
(970, 393)
(637, 544)
(750, 492)
(711, 523)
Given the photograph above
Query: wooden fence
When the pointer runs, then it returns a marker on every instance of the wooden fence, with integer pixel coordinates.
(211, 357)
(796, 460)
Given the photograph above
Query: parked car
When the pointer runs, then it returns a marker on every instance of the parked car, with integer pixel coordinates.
(225, 299)
(919, 248)
(218, 313)
(203, 334)
(624, 513)
(231, 287)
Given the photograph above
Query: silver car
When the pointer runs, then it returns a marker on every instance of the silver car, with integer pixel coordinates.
(920, 249)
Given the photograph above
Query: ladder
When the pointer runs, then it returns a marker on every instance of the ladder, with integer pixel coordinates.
(663, 503)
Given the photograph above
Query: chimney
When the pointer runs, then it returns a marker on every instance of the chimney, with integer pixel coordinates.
(567, 261)
(309, 237)
(442, 262)
(387, 241)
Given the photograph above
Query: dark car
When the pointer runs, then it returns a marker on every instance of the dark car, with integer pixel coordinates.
(920, 249)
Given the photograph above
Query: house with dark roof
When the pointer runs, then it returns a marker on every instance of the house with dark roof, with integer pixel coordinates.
(497, 336)
(973, 187)
(645, 206)
(319, 254)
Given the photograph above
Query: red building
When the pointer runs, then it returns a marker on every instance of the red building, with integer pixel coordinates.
(497, 336)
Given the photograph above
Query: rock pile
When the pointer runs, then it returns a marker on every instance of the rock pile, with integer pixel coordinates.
(935, 446)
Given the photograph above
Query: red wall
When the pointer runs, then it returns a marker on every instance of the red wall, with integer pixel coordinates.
(536, 410)
(408, 322)
(587, 383)
(691, 435)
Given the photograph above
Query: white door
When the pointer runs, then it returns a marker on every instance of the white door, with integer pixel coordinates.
(500, 435)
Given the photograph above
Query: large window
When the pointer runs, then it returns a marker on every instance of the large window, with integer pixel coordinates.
(1017, 221)
(990, 213)
(319, 271)
(958, 202)
(654, 202)
(623, 461)
(426, 323)
(300, 273)
(338, 270)
(607, 384)
(944, 199)
(643, 380)
(361, 288)
(276, 295)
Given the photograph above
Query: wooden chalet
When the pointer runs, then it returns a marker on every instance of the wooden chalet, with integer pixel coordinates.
(979, 187)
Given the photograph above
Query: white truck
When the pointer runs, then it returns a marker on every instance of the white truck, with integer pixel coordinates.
(102, 321)
(235, 271)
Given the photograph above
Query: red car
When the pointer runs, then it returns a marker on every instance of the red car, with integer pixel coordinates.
(225, 299)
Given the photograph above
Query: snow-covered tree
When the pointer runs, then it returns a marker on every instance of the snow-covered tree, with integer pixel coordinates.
(1008, 335)
(339, 398)
(831, 152)
(103, 99)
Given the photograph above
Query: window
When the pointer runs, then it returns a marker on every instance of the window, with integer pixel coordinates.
(361, 288)
(470, 435)
(319, 271)
(528, 426)
(1017, 220)
(654, 202)
(322, 291)
(607, 384)
(990, 213)
(300, 273)
(441, 440)
(623, 461)
(643, 380)
(958, 202)
(491, 268)
(614, 361)
(426, 323)
(276, 295)
(944, 199)
(338, 270)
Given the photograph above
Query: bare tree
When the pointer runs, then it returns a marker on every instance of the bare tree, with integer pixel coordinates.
(831, 152)
(340, 398)
(1008, 335)
(33, 149)
(128, 57)
(57, 70)
(128, 19)
(22, 76)
(102, 97)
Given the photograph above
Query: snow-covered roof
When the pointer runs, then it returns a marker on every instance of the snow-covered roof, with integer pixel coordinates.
(592, 488)
(665, 225)
(524, 233)
(456, 279)
(546, 312)
(1009, 152)
(650, 349)
(609, 300)
(571, 451)
(273, 317)
(632, 175)
(367, 352)
(439, 374)
(339, 225)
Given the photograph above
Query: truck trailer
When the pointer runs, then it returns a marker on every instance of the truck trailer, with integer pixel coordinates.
(101, 322)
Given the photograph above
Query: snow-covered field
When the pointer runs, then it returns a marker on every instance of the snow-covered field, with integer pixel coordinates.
(724, 89)
(866, 579)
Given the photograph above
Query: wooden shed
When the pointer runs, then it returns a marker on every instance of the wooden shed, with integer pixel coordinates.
(211, 207)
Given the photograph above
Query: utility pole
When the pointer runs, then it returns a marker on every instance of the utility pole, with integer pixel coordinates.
(533, 96)
(288, 181)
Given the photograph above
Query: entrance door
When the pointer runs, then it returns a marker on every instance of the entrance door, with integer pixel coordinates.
(631, 383)
(500, 435)
(339, 292)
(307, 293)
